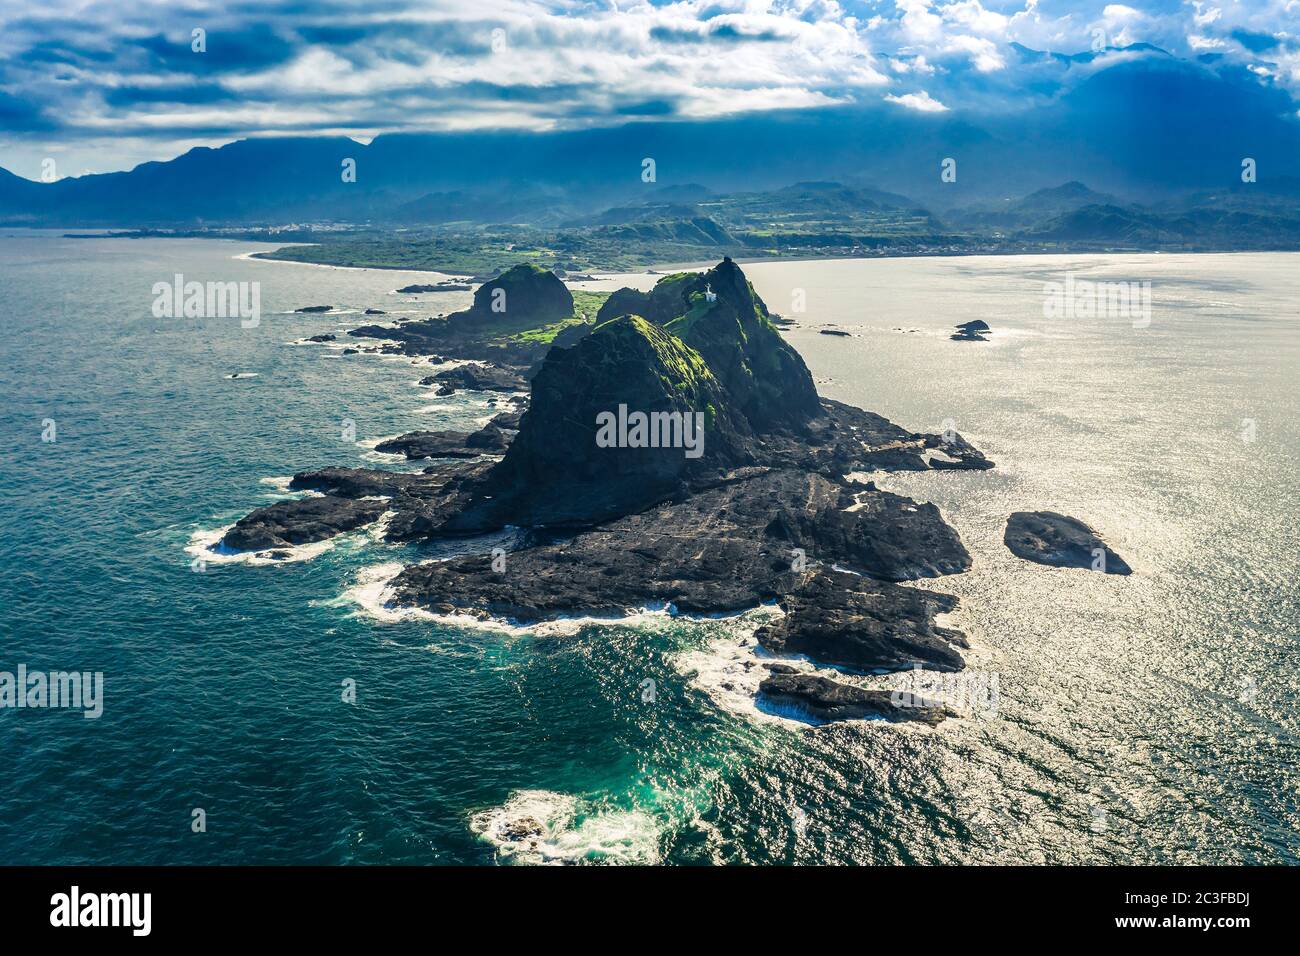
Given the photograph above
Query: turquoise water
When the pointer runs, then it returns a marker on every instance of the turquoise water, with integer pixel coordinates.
(1124, 731)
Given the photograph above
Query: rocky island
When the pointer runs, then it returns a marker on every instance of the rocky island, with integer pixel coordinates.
(673, 450)
(444, 286)
(973, 331)
(1046, 537)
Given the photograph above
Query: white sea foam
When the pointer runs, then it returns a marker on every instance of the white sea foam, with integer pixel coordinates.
(729, 668)
(385, 457)
(280, 484)
(448, 364)
(462, 404)
(376, 531)
(545, 827)
(361, 346)
(372, 594)
(207, 545)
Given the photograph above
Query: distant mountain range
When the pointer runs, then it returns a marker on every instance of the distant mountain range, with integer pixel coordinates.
(826, 215)
(813, 219)
(1149, 131)
(1012, 214)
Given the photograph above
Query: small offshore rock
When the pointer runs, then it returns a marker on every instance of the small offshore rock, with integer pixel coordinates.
(1047, 537)
(302, 521)
(829, 700)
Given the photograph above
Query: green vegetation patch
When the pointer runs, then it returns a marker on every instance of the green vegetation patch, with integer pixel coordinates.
(684, 364)
(585, 307)
(544, 334)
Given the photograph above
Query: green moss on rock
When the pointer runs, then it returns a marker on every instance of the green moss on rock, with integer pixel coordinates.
(720, 316)
(728, 324)
(521, 298)
(627, 361)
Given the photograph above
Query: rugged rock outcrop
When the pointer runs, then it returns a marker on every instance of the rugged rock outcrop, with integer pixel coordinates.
(665, 302)
(477, 377)
(522, 294)
(760, 371)
(758, 537)
(1046, 537)
(522, 298)
(583, 455)
(508, 419)
(825, 700)
(357, 482)
(301, 521)
(557, 474)
(973, 331)
(445, 286)
(621, 503)
(571, 334)
(865, 625)
(447, 444)
(719, 314)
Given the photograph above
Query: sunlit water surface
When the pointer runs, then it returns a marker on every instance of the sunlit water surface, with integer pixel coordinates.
(1142, 719)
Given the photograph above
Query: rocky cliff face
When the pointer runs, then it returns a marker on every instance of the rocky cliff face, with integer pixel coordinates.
(755, 506)
(521, 298)
(666, 301)
(522, 295)
(721, 360)
(719, 314)
(765, 378)
(616, 423)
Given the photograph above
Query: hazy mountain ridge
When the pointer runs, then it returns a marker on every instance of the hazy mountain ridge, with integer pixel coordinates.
(1145, 130)
(805, 220)
(1159, 142)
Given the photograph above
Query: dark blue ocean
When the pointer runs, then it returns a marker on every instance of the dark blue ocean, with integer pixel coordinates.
(1146, 719)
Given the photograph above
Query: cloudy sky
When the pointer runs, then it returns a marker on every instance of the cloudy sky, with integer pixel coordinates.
(102, 86)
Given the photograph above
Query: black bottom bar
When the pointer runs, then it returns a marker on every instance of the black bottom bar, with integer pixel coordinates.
(216, 904)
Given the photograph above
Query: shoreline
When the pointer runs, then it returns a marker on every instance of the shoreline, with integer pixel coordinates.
(266, 257)
(663, 268)
(765, 260)
(689, 265)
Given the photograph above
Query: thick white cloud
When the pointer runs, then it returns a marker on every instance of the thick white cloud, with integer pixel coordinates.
(1118, 12)
(984, 55)
(1204, 17)
(72, 70)
(921, 101)
(972, 15)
